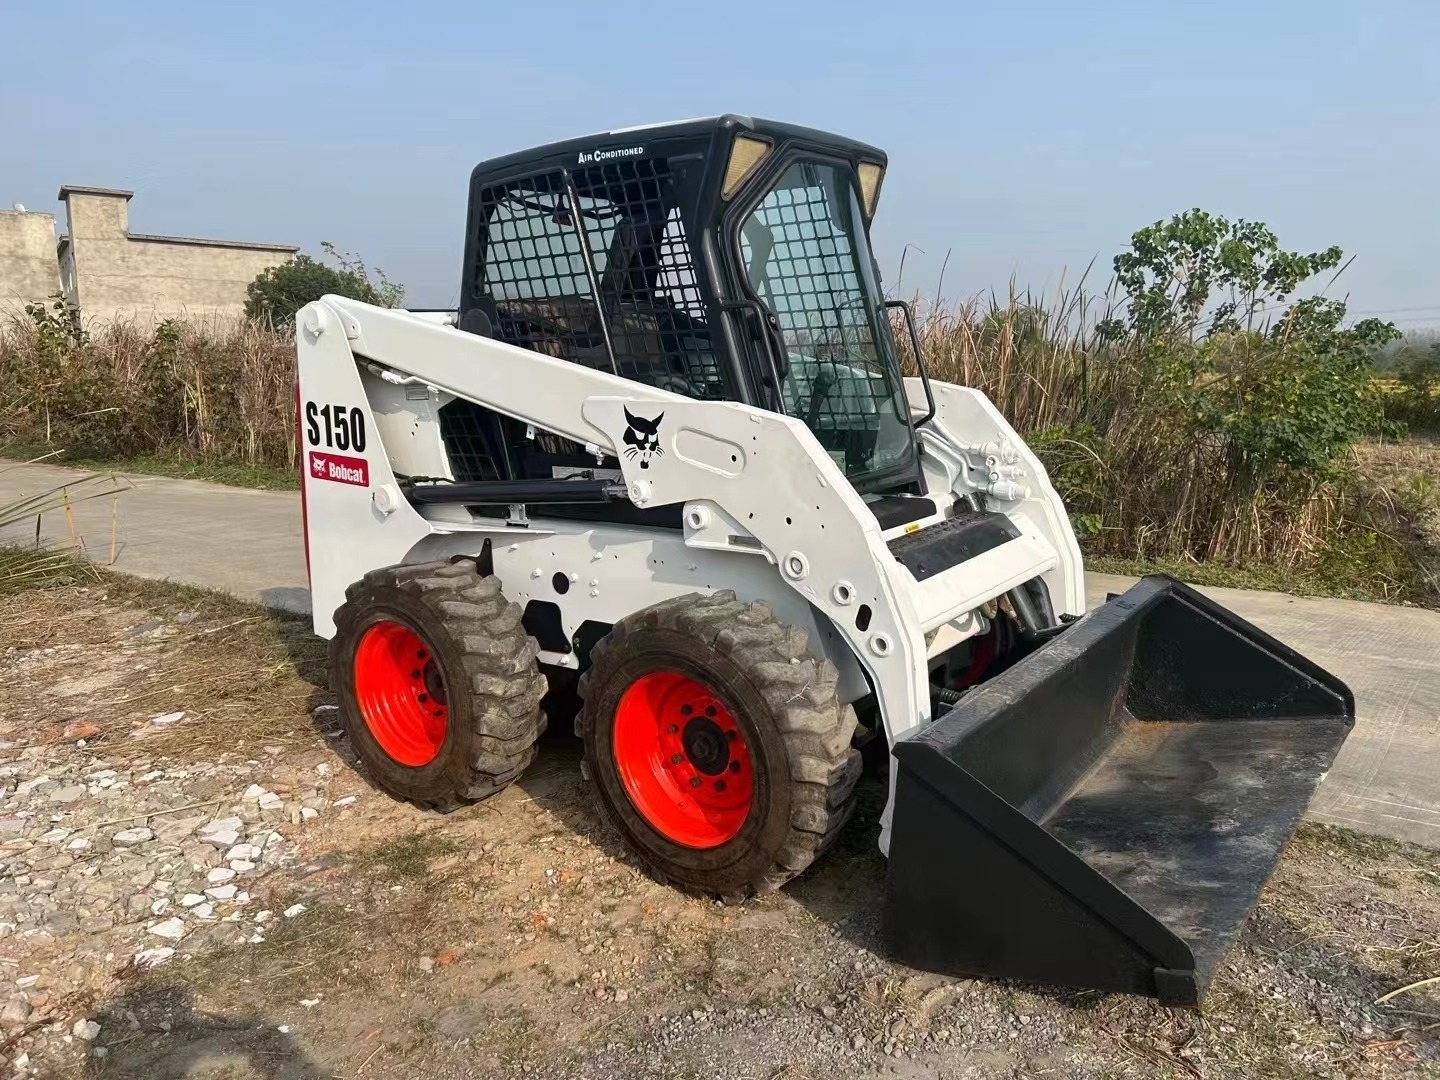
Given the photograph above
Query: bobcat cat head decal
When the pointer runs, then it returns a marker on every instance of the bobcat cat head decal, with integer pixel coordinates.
(642, 438)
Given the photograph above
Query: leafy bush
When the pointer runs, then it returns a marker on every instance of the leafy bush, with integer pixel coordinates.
(278, 293)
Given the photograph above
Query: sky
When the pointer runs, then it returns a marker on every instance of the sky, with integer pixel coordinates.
(1025, 140)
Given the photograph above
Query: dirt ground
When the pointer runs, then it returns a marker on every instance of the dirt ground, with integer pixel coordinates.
(352, 936)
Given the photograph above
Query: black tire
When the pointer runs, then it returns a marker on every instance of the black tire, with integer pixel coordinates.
(490, 677)
(784, 700)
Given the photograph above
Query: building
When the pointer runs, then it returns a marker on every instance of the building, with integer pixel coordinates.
(109, 274)
(29, 273)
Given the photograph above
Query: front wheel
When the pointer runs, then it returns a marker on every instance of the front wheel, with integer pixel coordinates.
(717, 745)
(437, 680)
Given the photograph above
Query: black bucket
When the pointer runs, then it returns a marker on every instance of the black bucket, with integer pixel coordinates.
(1105, 813)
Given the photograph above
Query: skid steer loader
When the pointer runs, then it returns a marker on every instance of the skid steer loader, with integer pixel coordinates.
(665, 450)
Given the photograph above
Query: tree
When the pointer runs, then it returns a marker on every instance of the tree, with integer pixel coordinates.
(1285, 384)
(279, 292)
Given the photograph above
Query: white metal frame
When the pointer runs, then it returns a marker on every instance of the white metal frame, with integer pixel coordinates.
(763, 501)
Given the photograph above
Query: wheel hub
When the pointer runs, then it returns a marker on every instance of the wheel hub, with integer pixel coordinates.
(705, 745)
(400, 692)
(683, 759)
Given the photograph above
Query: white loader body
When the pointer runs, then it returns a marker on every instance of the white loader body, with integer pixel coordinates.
(767, 512)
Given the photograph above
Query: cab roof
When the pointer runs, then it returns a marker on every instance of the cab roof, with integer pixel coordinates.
(701, 127)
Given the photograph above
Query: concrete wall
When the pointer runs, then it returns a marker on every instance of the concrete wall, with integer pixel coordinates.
(29, 273)
(123, 276)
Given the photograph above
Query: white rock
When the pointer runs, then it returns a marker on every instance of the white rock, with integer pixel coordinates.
(221, 892)
(223, 833)
(166, 719)
(85, 1029)
(220, 838)
(131, 837)
(30, 785)
(219, 875)
(309, 1003)
(147, 958)
(151, 777)
(54, 836)
(241, 866)
(308, 813)
(258, 939)
(253, 793)
(103, 774)
(159, 907)
(294, 909)
(263, 916)
(80, 843)
(203, 911)
(190, 899)
(172, 929)
(242, 898)
(243, 851)
(346, 801)
(271, 801)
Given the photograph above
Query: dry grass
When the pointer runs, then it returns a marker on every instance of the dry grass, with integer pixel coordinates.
(1143, 476)
(119, 651)
(221, 392)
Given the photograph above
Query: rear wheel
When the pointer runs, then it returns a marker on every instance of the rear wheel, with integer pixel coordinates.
(438, 685)
(717, 745)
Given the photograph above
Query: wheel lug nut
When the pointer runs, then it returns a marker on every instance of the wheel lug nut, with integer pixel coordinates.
(414, 674)
(673, 728)
(686, 709)
(694, 781)
(675, 759)
(719, 785)
(734, 766)
(709, 710)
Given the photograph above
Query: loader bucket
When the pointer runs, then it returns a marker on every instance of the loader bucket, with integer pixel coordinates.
(1104, 813)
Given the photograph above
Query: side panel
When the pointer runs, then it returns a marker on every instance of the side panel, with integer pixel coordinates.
(601, 573)
(970, 447)
(346, 533)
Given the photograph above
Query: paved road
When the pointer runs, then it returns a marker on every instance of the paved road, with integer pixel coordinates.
(1386, 780)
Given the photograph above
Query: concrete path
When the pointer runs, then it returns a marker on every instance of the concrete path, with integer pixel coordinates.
(1386, 780)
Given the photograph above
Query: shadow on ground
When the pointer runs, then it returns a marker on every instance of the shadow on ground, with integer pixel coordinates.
(155, 1031)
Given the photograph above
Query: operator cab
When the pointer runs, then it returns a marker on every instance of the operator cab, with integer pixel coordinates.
(720, 259)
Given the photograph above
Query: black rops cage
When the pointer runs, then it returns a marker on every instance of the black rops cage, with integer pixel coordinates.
(591, 251)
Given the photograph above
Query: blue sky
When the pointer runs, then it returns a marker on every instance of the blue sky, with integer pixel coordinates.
(1024, 139)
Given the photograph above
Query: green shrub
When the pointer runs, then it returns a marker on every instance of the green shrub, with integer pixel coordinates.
(278, 293)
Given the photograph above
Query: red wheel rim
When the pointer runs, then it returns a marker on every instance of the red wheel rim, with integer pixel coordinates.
(683, 759)
(401, 693)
